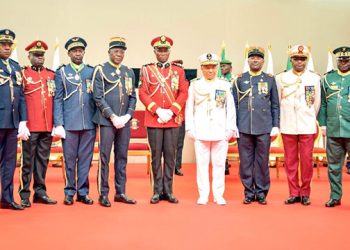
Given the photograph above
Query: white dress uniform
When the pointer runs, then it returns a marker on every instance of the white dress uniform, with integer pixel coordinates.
(210, 116)
(298, 111)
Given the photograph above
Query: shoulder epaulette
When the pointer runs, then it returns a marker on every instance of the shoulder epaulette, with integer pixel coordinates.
(195, 79)
(88, 65)
(148, 64)
(239, 75)
(315, 72)
(11, 60)
(24, 67)
(331, 71)
(270, 75)
(59, 67)
(281, 72)
(50, 70)
(178, 63)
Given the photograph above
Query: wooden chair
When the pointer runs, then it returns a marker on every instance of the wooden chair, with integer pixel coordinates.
(138, 138)
(319, 152)
(277, 151)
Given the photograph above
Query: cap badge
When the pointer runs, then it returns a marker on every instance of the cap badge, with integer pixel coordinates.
(7, 32)
(300, 49)
(209, 56)
(162, 39)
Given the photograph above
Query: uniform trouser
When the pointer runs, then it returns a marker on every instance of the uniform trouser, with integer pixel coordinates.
(8, 152)
(254, 164)
(120, 138)
(336, 151)
(216, 151)
(35, 158)
(163, 142)
(180, 145)
(78, 148)
(298, 148)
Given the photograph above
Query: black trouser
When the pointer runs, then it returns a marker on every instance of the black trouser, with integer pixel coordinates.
(78, 150)
(163, 142)
(180, 145)
(8, 152)
(254, 164)
(120, 138)
(35, 158)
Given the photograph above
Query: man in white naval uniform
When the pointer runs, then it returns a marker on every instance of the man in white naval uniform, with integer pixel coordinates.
(210, 122)
(300, 96)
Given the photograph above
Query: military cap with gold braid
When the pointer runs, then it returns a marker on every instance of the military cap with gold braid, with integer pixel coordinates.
(162, 41)
(37, 46)
(7, 36)
(209, 59)
(299, 51)
(342, 52)
(117, 42)
(75, 42)
(256, 51)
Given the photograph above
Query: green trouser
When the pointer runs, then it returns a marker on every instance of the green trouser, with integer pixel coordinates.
(336, 152)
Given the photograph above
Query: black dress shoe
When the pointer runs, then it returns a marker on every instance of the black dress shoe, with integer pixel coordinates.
(104, 201)
(305, 200)
(333, 203)
(248, 200)
(44, 200)
(85, 199)
(261, 200)
(179, 172)
(348, 171)
(170, 198)
(292, 200)
(12, 205)
(68, 200)
(123, 198)
(25, 203)
(227, 171)
(155, 199)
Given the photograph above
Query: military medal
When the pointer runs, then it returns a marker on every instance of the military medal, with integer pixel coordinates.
(220, 98)
(262, 87)
(175, 81)
(19, 78)
(88, 86)
(51, 87)
(128, 84)
(77, 77)
(309, 95)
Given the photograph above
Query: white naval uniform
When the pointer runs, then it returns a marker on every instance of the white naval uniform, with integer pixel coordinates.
(297, 116)
(210, 113)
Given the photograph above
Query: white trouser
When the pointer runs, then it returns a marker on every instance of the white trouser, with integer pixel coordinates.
(217, 151)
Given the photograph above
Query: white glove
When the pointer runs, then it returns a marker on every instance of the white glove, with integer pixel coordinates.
(236, 133)
(59, 132)
(164, 114)
(23, 131)
(229, 134)
(191, 134)
(324, 130)
(274, 131)
(117, 121)
(124, 119)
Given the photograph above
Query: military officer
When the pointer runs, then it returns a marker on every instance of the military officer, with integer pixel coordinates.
(334, 120)
(256, 99)
(13, 115)
(39, 88)
(163, 91)
(226, 74)
(210, 122)
(299, 95)
(114, 94)
(74, 108)
(226, 70)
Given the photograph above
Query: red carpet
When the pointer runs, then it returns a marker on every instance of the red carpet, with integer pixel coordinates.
(182, 226)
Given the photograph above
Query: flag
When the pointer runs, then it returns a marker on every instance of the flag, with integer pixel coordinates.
(14, 55)
(56, 56)
(223, 52)
(246, 65)
(269, 68)
(310, 63)
(289, 63)
(330, 65)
